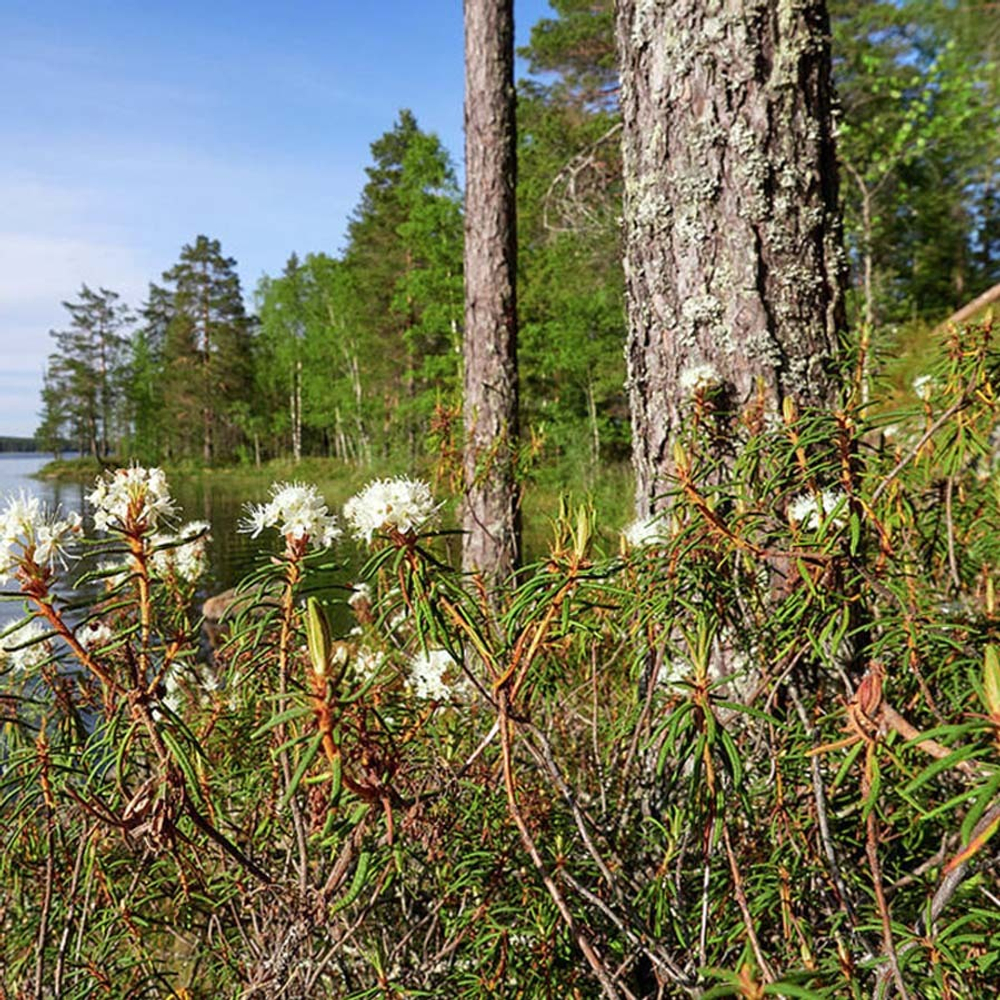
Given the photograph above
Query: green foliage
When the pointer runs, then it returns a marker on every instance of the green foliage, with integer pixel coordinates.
(207, 362)
(748, 749)
(570, 283)
(917, 83)
(577, 47)
(81, 394)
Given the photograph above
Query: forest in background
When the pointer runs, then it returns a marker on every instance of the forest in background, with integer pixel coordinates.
(746, 747)
(357, 354)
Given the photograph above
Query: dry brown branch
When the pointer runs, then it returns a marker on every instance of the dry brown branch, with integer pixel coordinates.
(970, 309)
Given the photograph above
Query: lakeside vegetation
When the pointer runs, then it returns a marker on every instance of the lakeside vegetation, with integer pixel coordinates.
(745, 743)
(608, 489)
(17, 444)
(663, 725)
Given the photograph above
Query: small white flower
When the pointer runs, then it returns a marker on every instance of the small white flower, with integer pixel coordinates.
(298, 511)
(699, 378)
(924, 386)
(401, 505)
(30, 533)
(809, 510)
(183, 555)
(172, 690)
(427, 670)
(132, 499)
(94, 635)
(25, 652)
(361, 594)
(645, 531)
(367, 663)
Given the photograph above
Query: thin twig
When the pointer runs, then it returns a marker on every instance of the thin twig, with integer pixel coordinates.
(543, 755)
(871, 850)
(962, 403)
(741, 901)
(949, 489)
(610, 990)
(70, 906)
(43, 924)
(822, 815)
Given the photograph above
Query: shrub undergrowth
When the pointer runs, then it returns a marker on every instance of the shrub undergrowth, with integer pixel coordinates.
(751, 749)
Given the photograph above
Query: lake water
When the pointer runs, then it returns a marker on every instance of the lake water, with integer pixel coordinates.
(231, 554)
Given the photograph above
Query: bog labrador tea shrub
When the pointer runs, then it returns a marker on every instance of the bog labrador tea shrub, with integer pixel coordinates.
(748, 749)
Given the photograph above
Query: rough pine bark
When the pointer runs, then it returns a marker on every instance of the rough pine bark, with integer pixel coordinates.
(491, 522)
(732, 241)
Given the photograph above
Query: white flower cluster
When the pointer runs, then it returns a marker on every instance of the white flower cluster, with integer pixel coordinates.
(133, 499)
(297, 511)
(367, 662)
(427, 673)
(28, 531)
(401, 504)
(809, 511)
(184, 555)
(645, 531)
(699, 378)
(24, 649)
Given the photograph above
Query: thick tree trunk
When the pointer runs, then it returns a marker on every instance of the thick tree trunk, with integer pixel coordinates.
(491, 519)
(733, 256)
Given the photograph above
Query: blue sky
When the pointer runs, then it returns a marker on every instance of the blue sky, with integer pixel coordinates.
(130, 128)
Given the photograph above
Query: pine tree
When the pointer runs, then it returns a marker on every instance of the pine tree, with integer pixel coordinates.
(87, 368)
(51, 431)
(732, 240)
(207, 354)
(491, 519)
(427, 295)
(145, 382)
(403, 264)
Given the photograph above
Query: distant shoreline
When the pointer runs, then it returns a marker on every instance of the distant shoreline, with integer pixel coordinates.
(18, 445)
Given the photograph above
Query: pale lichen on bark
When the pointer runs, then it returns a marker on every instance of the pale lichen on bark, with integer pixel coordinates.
(731, 230)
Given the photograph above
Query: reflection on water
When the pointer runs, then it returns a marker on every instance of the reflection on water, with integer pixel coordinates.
(231, 554)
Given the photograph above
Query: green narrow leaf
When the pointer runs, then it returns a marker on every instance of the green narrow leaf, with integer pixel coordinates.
(991, 680)
(181, 758)
(357, 883)
(308, 756)
(276, 720)
(985, 794)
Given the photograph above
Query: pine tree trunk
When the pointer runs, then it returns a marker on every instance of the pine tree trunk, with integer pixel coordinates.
(733, 256)
(491, 518)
